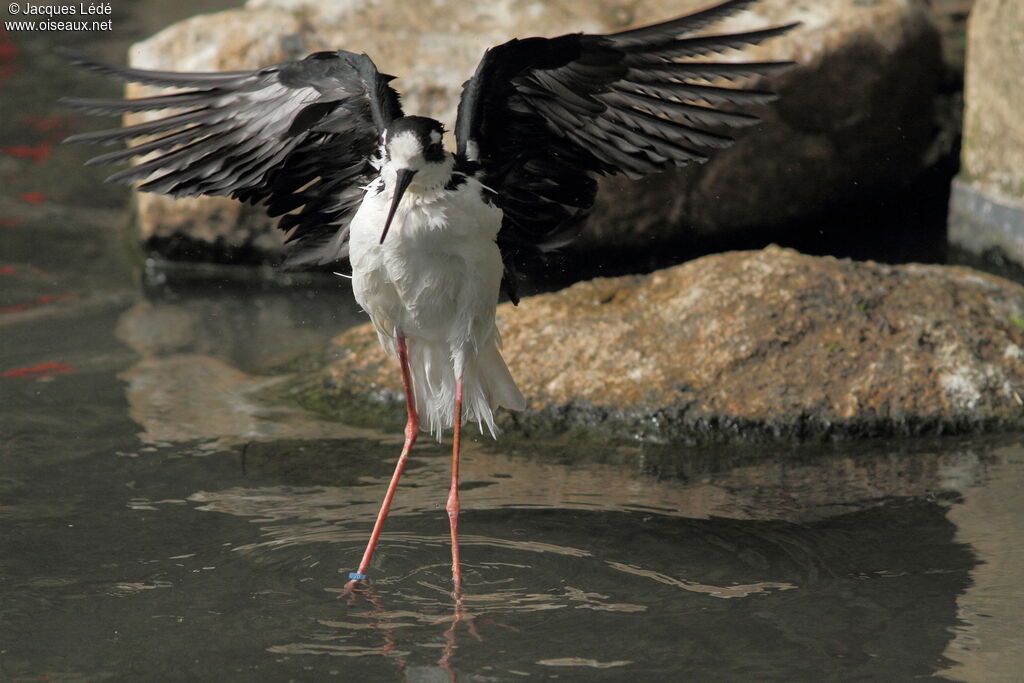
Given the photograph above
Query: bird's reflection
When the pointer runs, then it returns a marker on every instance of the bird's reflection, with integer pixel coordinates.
(460, 621)
(353, 593)
(459, 616)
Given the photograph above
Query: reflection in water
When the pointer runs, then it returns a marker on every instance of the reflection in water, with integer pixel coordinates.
(250, 330)
(379, 620)
(186, 398)
(203, 361)
(811, 548)
(987, 643)
(736, 591)
(828, 594)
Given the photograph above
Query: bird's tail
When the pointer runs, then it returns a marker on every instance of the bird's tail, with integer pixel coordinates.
(487, 384)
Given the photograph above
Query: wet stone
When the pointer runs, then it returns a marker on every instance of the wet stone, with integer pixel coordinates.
(768, 344)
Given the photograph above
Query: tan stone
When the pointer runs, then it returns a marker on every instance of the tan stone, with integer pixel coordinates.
(987, 202)
(993, 146)
(754, 344)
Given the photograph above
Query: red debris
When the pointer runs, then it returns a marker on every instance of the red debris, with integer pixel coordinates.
(33, 197)
(10, 222)
(8, 55)
(51, 130)
(38, 153)
(53, 127)
(41, 301)
(7, 270)
(7, 48)
(41, 370)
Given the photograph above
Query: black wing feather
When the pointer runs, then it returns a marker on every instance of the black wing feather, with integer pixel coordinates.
(297, 136)
(540, 116)
(667, 30)
(703, 45)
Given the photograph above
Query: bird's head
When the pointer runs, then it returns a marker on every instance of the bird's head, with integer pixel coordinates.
(414, 156)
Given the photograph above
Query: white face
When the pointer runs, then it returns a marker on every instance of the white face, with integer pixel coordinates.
(405, 151)
(433, 165)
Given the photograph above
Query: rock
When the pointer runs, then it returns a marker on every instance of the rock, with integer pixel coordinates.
(987, 204)
(951, 17)
(751, 345)
(849, 122)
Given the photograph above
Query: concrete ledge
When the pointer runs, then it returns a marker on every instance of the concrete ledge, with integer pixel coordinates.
(982, 222)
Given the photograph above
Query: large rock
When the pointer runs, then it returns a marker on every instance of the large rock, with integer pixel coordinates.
(855, 115)
(951, 17)
(987, 204)
(748, 345)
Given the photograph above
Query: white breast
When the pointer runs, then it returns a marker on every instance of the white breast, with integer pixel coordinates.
(437, 274)
(435, 280)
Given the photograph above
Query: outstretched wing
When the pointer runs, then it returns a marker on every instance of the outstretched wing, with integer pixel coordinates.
(540, 115)
(298, 136)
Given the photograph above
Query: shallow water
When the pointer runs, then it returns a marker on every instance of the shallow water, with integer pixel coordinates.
(162, 521)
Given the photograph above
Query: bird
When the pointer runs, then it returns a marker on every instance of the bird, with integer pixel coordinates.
(434, 236)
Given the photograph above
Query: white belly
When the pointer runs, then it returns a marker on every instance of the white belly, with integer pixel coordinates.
(435, 281)
(438, 273)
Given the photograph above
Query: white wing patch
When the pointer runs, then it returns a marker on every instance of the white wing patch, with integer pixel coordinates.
(472, 150)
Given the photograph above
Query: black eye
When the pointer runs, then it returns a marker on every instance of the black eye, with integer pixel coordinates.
(434, 152)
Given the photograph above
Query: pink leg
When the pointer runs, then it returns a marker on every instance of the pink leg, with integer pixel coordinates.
(412, 430)
(453, 492)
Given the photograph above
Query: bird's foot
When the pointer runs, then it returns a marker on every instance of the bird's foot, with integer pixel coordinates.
(355, 579)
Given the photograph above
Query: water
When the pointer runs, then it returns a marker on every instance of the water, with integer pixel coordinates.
(163, 520)
(198, 558)
(158, 533)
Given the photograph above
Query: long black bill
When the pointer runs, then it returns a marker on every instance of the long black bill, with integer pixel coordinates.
(402, 180)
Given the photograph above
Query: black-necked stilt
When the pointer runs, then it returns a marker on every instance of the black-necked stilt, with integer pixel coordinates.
(432, 235)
